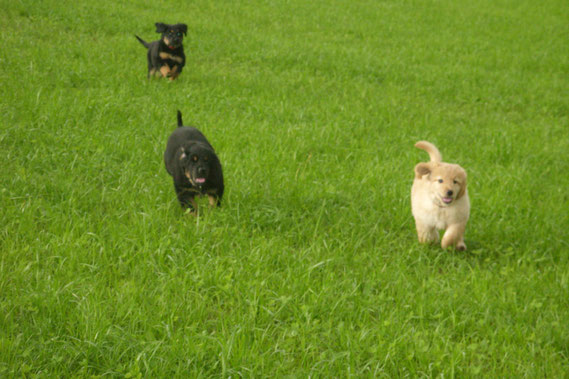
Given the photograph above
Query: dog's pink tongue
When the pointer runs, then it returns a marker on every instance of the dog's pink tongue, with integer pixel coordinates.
(200, 180)
(447, 199)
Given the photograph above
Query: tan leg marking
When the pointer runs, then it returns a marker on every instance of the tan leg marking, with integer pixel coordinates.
(165, 71)
(174, 73)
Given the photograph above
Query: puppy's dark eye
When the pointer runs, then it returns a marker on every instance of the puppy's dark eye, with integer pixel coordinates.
(455, 182)
(205, 159)
(440, 180)
(195, 158)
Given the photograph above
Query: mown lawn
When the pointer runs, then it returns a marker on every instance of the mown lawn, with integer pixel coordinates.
(311, 267)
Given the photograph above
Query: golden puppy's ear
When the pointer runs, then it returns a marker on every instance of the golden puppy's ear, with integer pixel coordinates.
(422, 169)
(462, 177)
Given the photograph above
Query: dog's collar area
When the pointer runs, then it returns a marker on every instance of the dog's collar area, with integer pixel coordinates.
(191, 190)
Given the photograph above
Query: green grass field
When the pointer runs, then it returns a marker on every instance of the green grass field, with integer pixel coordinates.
(311, 267)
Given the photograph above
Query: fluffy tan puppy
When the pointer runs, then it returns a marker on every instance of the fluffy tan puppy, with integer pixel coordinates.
(439, 200)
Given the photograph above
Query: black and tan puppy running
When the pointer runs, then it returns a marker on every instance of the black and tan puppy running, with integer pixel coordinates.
(166, 56)
(193, 164)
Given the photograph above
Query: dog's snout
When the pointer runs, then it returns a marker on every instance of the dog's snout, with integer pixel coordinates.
(201, 170)
(449, 193)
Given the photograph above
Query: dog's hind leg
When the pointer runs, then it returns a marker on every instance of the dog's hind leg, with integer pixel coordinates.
(454, 236)
(151, 69)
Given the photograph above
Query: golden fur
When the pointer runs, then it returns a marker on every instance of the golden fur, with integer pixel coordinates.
(439, 200)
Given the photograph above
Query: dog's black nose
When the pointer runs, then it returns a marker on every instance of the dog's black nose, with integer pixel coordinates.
(449, 193)
(201, 171)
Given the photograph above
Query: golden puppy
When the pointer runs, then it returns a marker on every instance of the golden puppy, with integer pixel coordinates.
(439, 200)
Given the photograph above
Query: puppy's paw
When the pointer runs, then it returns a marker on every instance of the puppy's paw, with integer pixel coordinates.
(460, 246)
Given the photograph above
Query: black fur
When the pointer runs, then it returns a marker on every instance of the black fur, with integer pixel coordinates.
(166, 56)
(189, 159)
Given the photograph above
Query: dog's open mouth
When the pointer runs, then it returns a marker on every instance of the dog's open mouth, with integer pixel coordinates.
(194, 181)
(447, 200)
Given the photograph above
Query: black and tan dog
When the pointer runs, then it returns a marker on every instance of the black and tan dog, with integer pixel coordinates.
(193, 164)
(166, 56)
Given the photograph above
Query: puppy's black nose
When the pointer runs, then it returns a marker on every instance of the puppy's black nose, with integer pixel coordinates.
(449, 193)
(201, 171)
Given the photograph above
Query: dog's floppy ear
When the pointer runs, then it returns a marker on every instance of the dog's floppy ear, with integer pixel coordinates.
(184, 29)
(161, 27)
(462, 191)
(422, 169)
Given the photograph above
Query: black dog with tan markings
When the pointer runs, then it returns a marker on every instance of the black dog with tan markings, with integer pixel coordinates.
(166, 56)
(195, 167)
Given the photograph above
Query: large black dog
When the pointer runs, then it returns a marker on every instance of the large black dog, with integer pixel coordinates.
(193, 164)
(166, 56)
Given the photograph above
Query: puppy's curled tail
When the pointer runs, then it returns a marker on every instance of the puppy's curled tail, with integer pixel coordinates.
(434, 153)
(180, 123)
(142, 41)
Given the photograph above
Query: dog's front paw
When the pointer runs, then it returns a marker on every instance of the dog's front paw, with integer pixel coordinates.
(460, 246)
